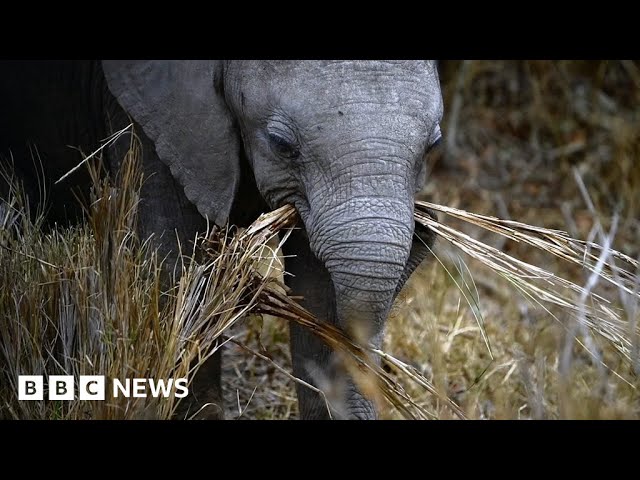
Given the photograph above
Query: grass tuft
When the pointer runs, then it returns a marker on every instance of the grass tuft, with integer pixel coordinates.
(93, 299)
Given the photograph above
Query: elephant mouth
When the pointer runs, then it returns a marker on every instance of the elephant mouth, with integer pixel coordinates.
(425, 234)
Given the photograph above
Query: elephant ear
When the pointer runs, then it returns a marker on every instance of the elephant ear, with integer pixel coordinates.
(179, 107)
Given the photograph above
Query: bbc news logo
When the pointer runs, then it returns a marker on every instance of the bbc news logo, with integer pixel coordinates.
(93, 387)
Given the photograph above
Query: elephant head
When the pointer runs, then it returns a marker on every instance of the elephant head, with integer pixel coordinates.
(343, 141)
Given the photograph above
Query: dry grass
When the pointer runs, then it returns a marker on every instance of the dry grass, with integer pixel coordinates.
(90, 300)
(543, 287)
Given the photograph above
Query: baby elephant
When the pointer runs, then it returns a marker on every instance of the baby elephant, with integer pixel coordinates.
(343, 141)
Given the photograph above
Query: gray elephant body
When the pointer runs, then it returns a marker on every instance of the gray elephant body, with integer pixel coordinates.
(343, 141)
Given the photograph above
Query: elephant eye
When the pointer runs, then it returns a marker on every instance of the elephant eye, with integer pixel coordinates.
(282, 147)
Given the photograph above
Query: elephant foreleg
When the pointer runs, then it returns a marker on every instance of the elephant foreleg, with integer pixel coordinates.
(311, 280)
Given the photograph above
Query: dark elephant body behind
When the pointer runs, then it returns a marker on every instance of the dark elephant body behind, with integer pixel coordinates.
(343, 141)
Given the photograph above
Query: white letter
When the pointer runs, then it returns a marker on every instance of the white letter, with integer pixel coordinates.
(155, 389)
(139, 387)
(60, 387)
(91, 387)
(181, 384)
(126, 390)
(30, 387)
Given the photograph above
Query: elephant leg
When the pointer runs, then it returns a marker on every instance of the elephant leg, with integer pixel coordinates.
(313, 361)
(166, 213)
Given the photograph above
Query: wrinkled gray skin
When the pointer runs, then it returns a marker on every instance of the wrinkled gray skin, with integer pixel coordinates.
(343, 141)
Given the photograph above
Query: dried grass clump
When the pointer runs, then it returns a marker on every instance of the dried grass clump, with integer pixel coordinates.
(91, 299)
(559, 349)
(544, 287)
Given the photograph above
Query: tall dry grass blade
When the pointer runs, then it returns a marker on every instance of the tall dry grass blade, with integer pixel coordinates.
(106, 142)
(556, 242)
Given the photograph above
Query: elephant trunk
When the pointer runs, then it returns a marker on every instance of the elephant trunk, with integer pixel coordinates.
(364, 244)
(366, 259)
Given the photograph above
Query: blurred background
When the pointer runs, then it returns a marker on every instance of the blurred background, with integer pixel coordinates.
(549, 143)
